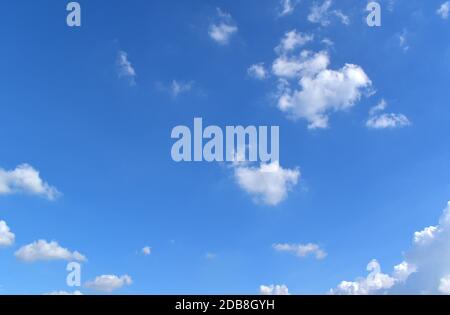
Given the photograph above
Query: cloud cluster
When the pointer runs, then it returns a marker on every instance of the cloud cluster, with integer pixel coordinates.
(320, 90)
(25, 179)
(425, 269)
(43, 250)
(257, 71)
(6, 236)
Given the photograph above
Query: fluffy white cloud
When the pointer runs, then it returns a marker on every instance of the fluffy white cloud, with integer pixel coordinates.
(108, 283)
(444, 285)
(268, 183)
(443, 10)
(322, 90)
(292, 40)
(302, 250)
(274, 290)
(125, 68)
(147, 250)
(223, 29)
(391, 120)
(321, 13)
(6, 236)
(426, 267)
(257, 71)
(178, 88)
(43, 250)
(373, 283)
(25, 179)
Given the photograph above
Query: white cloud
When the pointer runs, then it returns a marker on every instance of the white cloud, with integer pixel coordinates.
(425, 236)
(257, 71)
(292, 40)
(287, 7)
(444, 10)
(223, 29)
(391, 120)
(210, 256)
(125, 68)
(322, 90)
(375, 282)
(6, 236)
(147, 250)
(302, 250)
(381, 106)
(178, 88)
(64, 293)
(108, 283)
(25, 179)
(379, 120)
(43, 250)
(320, 14)
(426, 267)
(274, 290)
(269, 183)
(444, 285)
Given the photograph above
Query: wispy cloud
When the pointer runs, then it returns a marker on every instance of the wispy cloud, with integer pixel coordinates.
(302, 250)
(444, 10)
(125, 68)
(222, 30)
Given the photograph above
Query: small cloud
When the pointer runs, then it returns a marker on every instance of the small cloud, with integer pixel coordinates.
(403, 40)
(125, 68)
(302, 250)
(178, 87)
(293, 40)
(25, 179)
(146, 251)
(6, 236)
(223, 29)
(274, 290)
(385, 121)
(108, 283)
(268, 183)
(320, 14)
(257, 71)
(444, 10)
(46, 251)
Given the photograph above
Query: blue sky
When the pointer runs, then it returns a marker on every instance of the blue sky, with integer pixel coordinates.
(91, 110)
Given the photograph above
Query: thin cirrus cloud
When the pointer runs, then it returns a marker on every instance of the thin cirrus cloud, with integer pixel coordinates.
(108, 283)
(42, 250)
(287, 7)
(124, 68)
(223, 29)
(268, 184)
(25, 179)
(6, 236)
(302, 250)
(425, 268)
(321, 14)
